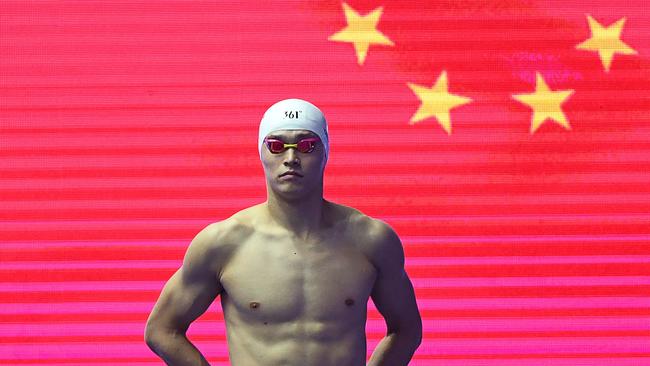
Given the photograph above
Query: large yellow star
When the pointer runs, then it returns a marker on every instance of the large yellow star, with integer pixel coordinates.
(436, 102)
(546, 104)
(362, 31)
(606, 41)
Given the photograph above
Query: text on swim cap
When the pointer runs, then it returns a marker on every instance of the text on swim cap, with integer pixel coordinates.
(292, 114)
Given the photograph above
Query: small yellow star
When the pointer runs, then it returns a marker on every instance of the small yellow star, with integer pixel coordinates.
(545, 104)
(362, 31)
(436, 102)
(606, 41)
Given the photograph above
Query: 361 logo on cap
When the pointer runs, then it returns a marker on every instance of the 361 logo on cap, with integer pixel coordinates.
(292, 114)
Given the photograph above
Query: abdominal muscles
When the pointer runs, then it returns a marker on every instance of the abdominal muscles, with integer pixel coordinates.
(298, 343)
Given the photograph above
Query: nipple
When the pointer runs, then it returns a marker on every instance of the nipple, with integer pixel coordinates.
(254, 305)
(349, 302)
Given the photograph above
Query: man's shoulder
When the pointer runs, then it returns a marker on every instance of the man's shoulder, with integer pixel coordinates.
(223, 236)
(244, 218)
(380, 236)
(214, 245)
(372, 233)
(379, 242)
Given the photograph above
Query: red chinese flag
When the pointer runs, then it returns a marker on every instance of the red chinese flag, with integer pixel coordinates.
(507, 142)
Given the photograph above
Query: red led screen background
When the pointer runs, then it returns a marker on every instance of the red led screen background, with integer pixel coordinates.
(507, 143)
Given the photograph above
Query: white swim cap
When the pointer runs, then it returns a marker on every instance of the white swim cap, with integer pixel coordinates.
(294, 114)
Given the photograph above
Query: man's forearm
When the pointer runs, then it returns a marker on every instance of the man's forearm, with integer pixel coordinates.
(396, 349)
(176, 350)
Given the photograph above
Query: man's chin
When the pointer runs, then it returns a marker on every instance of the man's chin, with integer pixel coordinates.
(291, 192)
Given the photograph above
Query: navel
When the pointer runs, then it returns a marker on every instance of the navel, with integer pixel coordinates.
(349, 302)
(254, 305)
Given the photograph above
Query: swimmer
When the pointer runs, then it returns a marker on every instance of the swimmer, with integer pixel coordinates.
(294, 274)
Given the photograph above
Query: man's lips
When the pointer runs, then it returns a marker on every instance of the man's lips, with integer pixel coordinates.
(291, 173)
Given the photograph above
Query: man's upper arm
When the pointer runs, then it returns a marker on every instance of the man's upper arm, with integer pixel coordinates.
(393, 292)
(191, 290)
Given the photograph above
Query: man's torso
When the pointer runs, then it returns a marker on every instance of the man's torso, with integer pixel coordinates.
(288, 301)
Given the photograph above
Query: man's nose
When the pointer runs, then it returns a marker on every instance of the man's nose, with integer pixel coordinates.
(291, 157)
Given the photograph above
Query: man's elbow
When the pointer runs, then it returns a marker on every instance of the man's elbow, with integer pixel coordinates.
(156, 335)
(411, 334)
(415, 335)
(419, 330)
(151, 335)
(418, 339)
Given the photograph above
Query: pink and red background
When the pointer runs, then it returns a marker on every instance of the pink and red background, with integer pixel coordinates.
(128, 126)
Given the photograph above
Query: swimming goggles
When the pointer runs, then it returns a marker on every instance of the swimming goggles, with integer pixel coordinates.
(305, 145)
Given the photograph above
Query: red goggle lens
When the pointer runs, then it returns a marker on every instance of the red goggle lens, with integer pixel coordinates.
(304, 146)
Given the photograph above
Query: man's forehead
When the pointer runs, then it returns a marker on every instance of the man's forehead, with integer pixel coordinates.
(288, 134)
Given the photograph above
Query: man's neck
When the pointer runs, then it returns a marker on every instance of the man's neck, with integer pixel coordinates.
(302, 217)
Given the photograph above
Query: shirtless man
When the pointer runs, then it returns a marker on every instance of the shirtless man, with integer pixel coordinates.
(295, 272)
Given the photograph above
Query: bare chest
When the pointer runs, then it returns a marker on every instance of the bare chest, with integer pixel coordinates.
(282, 280)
